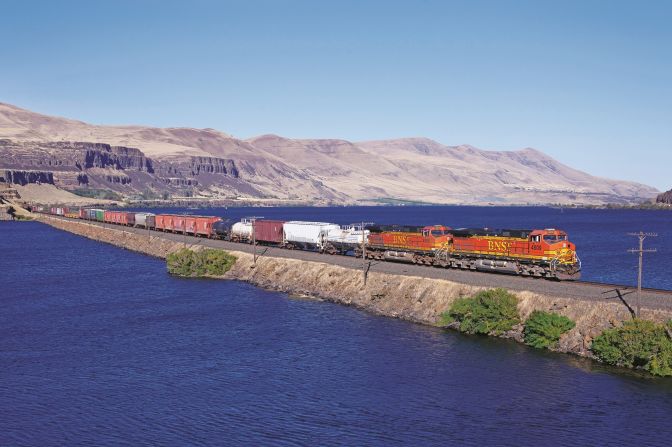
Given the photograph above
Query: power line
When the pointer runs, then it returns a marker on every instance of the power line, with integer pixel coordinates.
(641, 235)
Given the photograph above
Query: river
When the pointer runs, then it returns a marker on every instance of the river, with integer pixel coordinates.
(99, 346)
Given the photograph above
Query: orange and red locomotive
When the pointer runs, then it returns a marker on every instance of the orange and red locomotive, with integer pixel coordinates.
(541, 253)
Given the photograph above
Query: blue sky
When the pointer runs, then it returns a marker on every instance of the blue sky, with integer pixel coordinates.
(588, 82)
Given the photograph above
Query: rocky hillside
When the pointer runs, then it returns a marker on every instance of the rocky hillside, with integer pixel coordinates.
(145, 161)
(665, 197)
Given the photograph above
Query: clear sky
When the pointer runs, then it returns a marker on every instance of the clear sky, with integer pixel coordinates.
(588, 82)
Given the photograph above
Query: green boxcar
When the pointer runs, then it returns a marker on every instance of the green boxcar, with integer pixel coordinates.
(100, 215)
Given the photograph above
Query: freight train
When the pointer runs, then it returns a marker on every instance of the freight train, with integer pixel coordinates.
(541, 253)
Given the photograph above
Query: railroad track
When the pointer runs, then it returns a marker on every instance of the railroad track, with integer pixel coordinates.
(625, 287)
(582, 290)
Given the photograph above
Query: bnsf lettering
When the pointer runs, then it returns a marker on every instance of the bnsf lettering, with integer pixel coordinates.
(399, 239)
(499, 246)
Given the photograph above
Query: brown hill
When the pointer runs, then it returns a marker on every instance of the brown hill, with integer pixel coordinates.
(205, 162)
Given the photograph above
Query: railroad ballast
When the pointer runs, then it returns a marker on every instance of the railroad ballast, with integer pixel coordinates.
(545, 253)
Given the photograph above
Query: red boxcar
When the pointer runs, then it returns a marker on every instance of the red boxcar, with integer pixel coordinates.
(82, 213)
(268, 231)
(119, 217)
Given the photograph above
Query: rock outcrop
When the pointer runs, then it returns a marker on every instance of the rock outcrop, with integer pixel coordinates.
(665, 197)
(21, 177)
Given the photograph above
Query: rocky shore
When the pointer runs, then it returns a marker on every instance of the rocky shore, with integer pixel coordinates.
(421, 300)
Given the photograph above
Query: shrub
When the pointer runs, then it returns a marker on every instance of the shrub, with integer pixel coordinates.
(488, 312)
(543, 329)
(208, 262)
(637, 344)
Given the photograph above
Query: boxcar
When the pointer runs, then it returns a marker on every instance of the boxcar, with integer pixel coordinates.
(268, 231)
(100, 215)
(125, 218)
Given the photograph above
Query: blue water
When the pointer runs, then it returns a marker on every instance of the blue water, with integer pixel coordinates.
(601, 236)
(99, 346)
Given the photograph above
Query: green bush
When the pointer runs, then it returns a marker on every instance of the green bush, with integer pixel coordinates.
(543, 329)
(637, 344)
(208, 262)
(488, 312)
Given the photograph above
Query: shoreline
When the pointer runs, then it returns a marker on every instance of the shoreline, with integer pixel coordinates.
(417, 299)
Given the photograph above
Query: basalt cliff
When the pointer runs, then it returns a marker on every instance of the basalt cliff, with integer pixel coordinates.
(665, 198)
(144, 162)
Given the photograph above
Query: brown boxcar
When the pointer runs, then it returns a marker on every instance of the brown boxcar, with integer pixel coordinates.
(126, 218)
(119, 217)
(268, 231)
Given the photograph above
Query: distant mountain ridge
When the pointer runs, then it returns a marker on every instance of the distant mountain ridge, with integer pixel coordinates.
(212, 164)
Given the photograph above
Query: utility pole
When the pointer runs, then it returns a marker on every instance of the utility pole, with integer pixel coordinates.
(253, 221)
(641, 235)
(363, 243)
(184, 229)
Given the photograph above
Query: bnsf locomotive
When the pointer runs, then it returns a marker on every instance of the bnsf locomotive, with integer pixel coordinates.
(539, 253)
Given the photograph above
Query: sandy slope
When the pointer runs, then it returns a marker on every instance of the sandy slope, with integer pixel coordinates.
(414, 169)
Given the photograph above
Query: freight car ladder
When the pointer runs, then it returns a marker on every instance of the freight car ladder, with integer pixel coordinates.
(442, 256)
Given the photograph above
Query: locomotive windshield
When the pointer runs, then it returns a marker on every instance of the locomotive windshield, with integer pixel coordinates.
(552, 238)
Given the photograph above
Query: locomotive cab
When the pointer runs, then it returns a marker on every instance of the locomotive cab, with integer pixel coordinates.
(435, 231)
(555, 247)
(551, 239)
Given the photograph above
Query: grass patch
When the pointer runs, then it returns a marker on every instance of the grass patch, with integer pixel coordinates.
(203, 263)
(543, 329)
(637, 344)
(493, 312)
